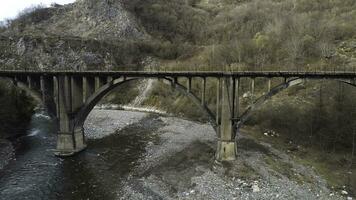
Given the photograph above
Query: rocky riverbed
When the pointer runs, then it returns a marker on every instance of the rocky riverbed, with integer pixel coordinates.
(6, 152)
(135, 155)
(178, 163)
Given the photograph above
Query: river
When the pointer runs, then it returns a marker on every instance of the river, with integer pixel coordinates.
(36, 173)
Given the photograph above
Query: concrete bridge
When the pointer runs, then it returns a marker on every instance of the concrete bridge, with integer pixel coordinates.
(71, 95)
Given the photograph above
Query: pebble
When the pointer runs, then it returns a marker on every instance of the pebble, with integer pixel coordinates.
(215, 186)
(344, 192)
(255, 188)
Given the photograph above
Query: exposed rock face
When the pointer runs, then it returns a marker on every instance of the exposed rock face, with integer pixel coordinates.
(87, 34)
(94, 19)
(54, 53)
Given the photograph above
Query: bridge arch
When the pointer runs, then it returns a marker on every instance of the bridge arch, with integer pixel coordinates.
(99, 94)
(260, 101)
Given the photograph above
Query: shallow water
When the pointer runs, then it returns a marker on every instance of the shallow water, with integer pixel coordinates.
(96, 173)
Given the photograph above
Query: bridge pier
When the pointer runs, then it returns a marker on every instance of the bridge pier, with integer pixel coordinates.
(69, 100)
(226, 146)
(70, 143)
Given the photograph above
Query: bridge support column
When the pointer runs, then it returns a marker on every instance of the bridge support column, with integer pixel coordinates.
(89, 87)
(226, 147)
(47, 90)
(203, 92)
(99, 81)
(70, 139)
(34, 82)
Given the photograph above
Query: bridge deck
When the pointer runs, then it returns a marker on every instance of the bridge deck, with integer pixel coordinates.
(206, 74)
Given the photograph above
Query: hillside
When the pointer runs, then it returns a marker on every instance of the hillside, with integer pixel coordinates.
(204, 34)
(98, 20)
(317, 117)
(75, 36)
(254, 34)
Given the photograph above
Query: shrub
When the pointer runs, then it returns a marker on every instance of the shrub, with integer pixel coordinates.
(16, 110)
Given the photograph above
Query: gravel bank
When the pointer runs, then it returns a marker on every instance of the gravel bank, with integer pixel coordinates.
(101, 123)
(180, 165)
(6, 152)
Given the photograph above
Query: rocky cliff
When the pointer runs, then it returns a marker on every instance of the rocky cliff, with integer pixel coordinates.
(93, 19)
(84, 35)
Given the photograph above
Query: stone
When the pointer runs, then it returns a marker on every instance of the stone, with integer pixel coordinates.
(255, 188)
(343, 192)
(246, 95)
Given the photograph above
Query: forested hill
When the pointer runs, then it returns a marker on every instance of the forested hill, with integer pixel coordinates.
(255, 34)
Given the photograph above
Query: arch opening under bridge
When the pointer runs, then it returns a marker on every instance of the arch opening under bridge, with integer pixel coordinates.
(261, 100)
(75, 96)
(95, 98)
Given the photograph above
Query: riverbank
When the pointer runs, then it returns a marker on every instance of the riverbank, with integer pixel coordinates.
(133, 155)
(178, 163)
(6, 152)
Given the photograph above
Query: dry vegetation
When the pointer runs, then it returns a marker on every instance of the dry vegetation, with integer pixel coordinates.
(256, 34)
(16, 110)
(272, 35)
(220, 35)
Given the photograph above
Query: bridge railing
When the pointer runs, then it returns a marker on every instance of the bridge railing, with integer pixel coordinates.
(228, 68)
